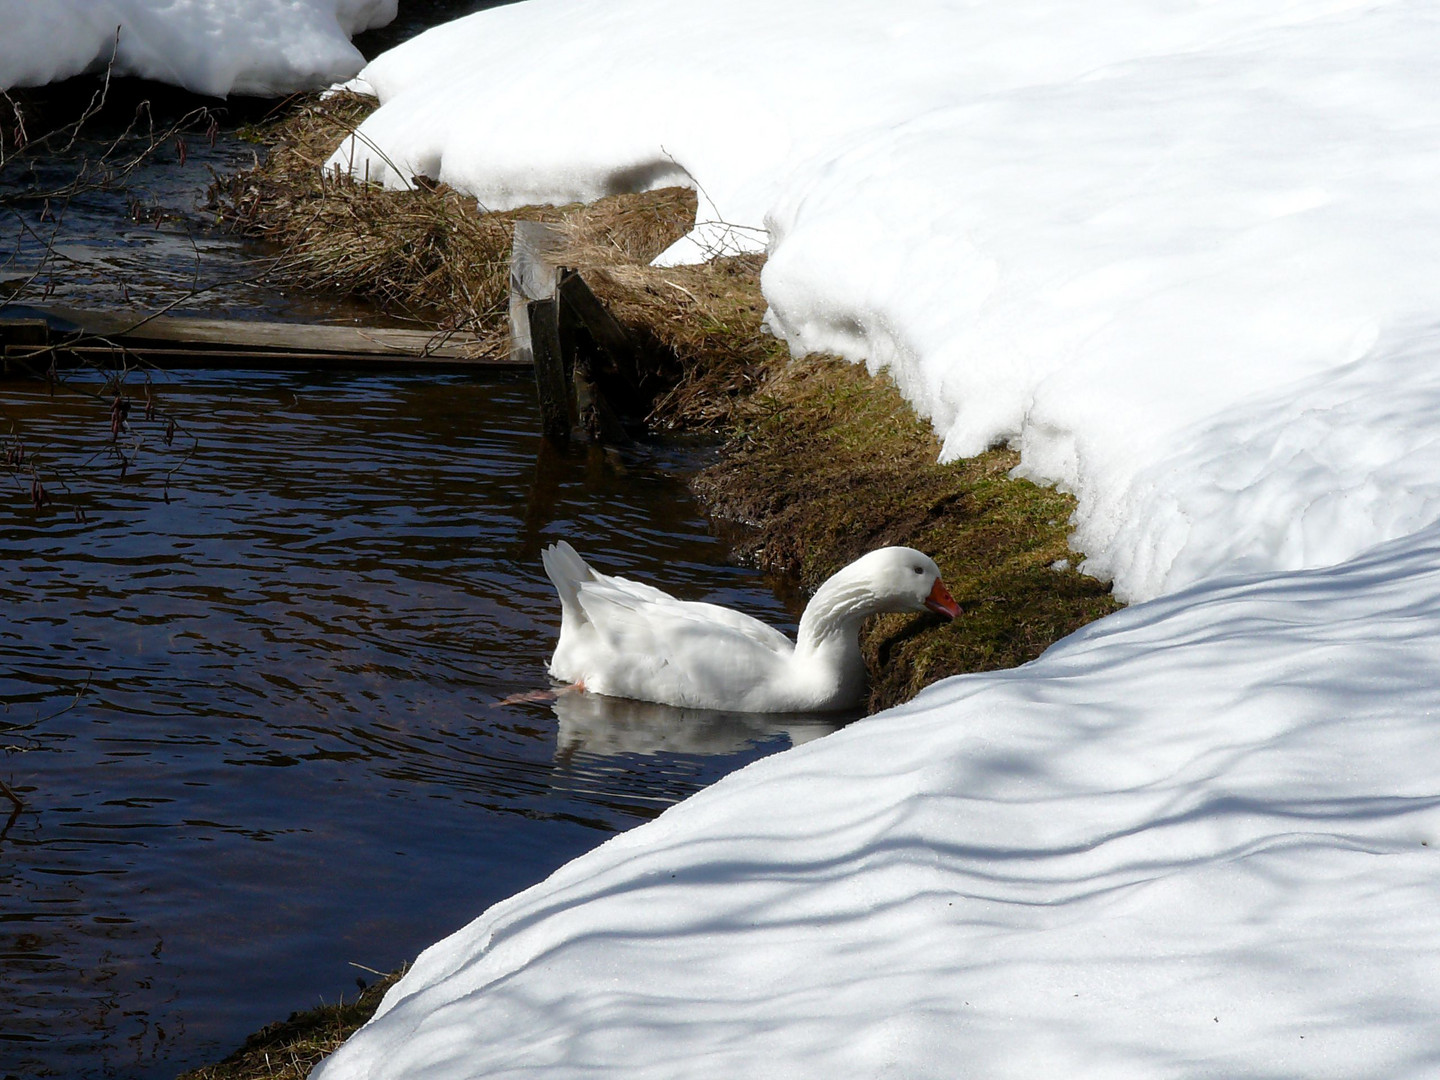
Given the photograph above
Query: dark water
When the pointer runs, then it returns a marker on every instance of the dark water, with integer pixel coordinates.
(119, 217)
(255, 726)
(248, 685)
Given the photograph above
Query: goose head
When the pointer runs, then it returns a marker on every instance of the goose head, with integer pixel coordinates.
(889, 579)
(903, 579)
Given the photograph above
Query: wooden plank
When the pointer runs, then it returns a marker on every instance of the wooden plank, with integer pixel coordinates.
(292, 337)
(605, 330)
(175, 341)
(278, 359)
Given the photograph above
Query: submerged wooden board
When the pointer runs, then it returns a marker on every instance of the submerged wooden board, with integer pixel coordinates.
(190, 342)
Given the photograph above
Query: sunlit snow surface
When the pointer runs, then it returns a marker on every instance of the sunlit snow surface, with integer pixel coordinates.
(219, 47)
(1195, 839)
(1185, 256)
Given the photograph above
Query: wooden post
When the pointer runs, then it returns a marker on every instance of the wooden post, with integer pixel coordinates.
(532, 277)
(543, 326)
(577, 347)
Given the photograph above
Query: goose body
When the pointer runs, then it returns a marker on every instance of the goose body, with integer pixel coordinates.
(624, 639)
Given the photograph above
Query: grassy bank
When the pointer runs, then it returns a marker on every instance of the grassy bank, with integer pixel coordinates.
(829, 463)
(820, 461)
(289, 1049)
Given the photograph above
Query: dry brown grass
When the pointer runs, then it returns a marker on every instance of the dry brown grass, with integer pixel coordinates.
(425, 254)
(433, 255)
(430, 254)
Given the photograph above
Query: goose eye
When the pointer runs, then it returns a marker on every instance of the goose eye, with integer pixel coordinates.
(918, 569)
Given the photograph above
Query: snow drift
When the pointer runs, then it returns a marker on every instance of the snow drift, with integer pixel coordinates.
(1099, 232)
(1183, 256)
(261, 47)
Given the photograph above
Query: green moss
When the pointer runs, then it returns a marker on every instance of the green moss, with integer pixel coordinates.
(832, 462)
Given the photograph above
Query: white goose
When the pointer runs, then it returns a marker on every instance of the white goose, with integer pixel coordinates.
(624, 639)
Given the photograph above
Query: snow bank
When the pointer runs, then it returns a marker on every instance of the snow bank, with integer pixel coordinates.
(567, 100)
(1198, 838)
(1113, 271)
(1101, 232)
(1184, 256)
(219, 47)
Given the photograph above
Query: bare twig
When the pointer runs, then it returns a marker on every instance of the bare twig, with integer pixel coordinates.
(15, 808)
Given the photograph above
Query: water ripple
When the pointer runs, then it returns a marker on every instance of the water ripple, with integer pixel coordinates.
(255, 724)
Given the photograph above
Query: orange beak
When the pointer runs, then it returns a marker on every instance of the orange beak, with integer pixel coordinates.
(941, 602)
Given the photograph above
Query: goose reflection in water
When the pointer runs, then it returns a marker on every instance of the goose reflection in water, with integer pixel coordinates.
(599, 726)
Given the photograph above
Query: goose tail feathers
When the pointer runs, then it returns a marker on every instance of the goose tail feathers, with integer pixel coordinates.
(567, 572)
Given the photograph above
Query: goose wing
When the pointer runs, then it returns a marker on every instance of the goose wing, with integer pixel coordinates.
(638, 645)
(628, 613)
(624, 639)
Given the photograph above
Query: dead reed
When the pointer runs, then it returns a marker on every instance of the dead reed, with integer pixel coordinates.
(430, 253)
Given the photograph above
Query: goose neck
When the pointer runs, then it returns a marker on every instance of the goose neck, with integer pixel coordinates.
(835, 613)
